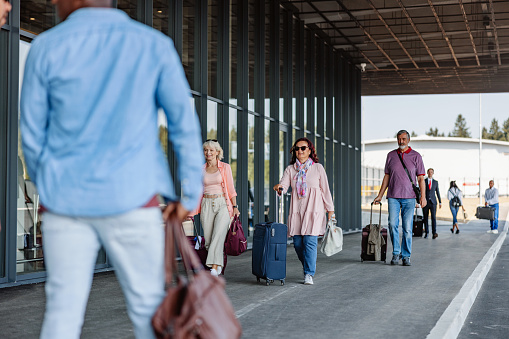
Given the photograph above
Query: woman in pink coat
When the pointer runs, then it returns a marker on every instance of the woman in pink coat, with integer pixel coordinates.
(311, 205)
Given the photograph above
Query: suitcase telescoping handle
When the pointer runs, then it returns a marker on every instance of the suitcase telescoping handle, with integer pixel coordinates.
(371, 215)
(279, 200)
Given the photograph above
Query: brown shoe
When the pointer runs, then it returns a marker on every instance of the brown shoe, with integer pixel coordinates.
(435, 235)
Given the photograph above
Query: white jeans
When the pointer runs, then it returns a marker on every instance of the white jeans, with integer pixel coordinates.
(134, 243)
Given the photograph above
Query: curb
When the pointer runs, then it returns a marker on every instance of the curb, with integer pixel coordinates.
(450, 323)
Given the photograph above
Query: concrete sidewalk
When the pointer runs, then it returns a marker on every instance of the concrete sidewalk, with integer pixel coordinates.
(349, 299)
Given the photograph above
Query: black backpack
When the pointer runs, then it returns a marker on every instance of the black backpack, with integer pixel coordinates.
(455, 201)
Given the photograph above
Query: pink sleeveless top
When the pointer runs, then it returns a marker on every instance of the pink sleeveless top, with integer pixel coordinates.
(212, 183)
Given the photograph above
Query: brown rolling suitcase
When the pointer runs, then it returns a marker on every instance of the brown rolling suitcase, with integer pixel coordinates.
(365, 234)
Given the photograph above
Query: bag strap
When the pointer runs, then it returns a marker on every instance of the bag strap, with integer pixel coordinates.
(175, 236)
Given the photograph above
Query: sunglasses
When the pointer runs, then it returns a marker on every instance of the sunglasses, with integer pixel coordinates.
(214, 140)
(302, 148)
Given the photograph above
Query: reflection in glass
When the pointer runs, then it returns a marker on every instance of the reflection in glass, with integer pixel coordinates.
(250, 172)
(233, 143)
(233, 49)
(128, 6)
(267, 59)
(282, 49)
(188, 40)
(212, 47)
(251, 54)
(282, 166)
(160, 16)
(36, 16)
(29, 256)
(266, 171)
(211, 120)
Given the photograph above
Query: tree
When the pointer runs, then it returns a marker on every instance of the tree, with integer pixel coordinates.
(485, 133)
(505, 129)
(434, 132)
(460, 128)
(495, 132)
(413, 134)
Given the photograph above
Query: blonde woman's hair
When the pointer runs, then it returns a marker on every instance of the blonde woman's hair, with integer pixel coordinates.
(214, 144)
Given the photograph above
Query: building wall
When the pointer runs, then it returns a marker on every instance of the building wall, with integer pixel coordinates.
(452, 159)
(260, 79)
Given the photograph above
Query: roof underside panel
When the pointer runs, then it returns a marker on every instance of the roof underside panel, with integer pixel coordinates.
(417, 46)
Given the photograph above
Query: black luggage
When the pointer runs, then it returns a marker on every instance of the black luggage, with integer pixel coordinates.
(418, 225)
(365, 234)
(269, 251)
(487, 213)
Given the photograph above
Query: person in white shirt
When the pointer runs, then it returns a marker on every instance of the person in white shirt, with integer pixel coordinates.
(491, 200)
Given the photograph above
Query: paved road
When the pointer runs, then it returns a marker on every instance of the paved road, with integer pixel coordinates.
(350, 299)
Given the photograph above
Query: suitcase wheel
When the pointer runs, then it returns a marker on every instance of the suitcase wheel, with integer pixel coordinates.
(269, 281)
(362, 260)
(258, 279)
(282, 282)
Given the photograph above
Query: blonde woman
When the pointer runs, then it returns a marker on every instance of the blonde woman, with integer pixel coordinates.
(218, 205)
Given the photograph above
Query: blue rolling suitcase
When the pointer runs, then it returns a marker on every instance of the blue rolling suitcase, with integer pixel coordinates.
(269, 251)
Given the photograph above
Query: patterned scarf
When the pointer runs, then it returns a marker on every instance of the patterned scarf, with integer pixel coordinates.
(300, 177)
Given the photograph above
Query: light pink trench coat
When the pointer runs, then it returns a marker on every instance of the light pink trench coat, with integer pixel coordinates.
(308, 216)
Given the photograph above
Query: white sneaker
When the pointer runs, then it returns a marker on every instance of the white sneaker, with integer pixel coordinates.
(495, 232)
(308, 280)
(490, 231)
(214, 272)
(219, 269)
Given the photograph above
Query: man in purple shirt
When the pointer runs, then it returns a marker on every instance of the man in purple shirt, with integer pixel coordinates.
(401, 195)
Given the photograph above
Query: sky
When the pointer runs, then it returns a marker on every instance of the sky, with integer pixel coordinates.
(383, 116)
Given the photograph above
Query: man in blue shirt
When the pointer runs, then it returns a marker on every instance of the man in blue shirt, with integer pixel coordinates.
(92, 90)
(491, 200)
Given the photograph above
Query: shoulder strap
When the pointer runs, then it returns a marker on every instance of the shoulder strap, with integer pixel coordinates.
(404, 166)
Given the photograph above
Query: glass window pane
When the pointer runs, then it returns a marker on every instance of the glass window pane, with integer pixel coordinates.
(282, 48)
(266, 173)
(212, 47)
(295, 74)
(160, 16)
(250, 171)
(251, 53)
(233, 51)
(211, 120)
(37, 16)
(4, 43)
(29, 257)
(233, 143)
(268, 48)
(188, 40)
(282, 166)
(128, 6)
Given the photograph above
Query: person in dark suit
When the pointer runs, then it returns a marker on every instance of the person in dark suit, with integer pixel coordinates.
(432, 192)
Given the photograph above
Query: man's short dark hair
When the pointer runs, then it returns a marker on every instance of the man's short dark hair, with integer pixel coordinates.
(431, 169)
(403, 131)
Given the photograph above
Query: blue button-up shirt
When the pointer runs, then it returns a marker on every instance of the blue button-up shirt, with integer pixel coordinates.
(92, 89)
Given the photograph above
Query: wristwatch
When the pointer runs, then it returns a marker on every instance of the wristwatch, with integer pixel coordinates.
(235, 206)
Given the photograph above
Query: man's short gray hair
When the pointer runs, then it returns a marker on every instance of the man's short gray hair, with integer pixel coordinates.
(403, 131)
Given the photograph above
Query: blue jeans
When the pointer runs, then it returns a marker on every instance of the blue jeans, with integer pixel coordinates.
(306, 248)
(494, 223)
(134, 242)
(407, 207)
(454, 211)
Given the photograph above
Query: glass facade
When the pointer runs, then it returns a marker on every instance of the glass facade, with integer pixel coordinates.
(259, 78)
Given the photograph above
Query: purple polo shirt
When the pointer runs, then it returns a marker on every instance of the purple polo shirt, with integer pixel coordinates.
(399, 184)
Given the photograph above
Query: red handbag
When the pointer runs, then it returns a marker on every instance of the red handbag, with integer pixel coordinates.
(235, 243)
(197, 305)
